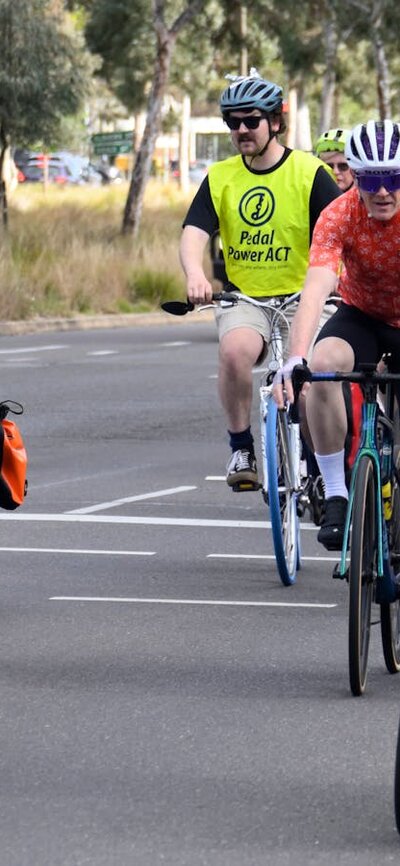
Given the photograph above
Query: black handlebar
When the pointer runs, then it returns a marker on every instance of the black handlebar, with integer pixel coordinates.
(180, 308)
(367, 376)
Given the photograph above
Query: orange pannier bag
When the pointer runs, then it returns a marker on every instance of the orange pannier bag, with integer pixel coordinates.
(13, 459)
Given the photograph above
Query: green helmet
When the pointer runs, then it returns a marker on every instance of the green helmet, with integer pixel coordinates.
(333, 139)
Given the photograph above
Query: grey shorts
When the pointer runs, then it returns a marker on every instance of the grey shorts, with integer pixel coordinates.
(260, 320)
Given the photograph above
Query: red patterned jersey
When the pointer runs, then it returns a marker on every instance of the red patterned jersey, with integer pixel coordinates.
(370, 252)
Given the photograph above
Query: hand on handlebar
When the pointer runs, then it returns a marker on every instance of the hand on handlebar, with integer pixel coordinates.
(283, 380)
(199, 289)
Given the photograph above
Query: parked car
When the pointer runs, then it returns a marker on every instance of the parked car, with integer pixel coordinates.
(198, 170)
(34, 172)
(91, 175)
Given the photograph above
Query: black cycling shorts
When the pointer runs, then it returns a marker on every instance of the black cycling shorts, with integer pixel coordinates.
(370, 338)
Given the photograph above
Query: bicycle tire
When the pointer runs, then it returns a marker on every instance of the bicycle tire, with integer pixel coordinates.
(282, 498)
(397, 782)
(390, 613)
(362, 573)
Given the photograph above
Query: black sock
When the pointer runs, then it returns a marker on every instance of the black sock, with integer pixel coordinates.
(241, 440)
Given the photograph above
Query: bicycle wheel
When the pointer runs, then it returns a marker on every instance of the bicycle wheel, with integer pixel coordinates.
(390, 613)
(397, 782)
(282, 497)
(362, 573)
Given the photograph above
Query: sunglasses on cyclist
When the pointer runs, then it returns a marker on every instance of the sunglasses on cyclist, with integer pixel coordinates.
(373, 182)
(251, 122)
(340, 166)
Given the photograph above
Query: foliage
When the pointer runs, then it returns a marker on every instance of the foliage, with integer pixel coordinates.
(121, 33)
(64, 254)
(42, 71)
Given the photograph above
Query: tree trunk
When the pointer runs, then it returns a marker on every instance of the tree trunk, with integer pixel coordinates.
(244, 60)
(329, 80)
(166, 39)
(299, 132)
(141, 171)
(381, 64)
(303, 126)
(3, 188)
(292, 106)
(184, 145)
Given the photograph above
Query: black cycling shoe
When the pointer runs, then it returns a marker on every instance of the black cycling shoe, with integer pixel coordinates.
(331, 533)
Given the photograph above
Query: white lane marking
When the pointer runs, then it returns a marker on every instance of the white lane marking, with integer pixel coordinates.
(104, 352)
(142, 521)
(31, 349)
(78, 551)
(25, 362)
(215, 478)
(191, 601)
(176, 343)
(113, 504)
(270, 556)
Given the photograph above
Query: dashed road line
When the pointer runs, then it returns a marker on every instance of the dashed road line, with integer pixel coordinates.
(103, 506)
(271, 556)
(31, 349)
(80, 551)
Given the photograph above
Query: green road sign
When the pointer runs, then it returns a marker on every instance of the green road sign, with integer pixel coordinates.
(112, 143)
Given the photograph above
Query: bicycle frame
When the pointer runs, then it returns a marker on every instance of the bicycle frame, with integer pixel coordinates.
(383, 466)
(385, 585)
(276, 350)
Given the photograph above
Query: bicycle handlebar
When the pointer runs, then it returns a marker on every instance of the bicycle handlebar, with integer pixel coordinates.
(366, 374)
(180, 308)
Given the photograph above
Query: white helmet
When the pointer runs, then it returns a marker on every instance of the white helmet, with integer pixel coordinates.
(374, 146)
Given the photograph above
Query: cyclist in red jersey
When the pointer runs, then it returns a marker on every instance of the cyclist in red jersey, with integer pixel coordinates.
(361, 227)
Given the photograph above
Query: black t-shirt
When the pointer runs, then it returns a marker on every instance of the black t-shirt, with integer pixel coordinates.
(202, 213)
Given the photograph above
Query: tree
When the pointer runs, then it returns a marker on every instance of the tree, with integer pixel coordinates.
(42, 75)
(118, 30)
(380, 18)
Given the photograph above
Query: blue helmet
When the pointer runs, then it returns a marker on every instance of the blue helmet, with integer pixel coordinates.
(251, 91)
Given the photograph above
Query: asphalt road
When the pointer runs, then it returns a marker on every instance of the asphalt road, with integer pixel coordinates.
(164, 699)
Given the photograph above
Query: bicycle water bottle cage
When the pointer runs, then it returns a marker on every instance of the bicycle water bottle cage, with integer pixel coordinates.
(337, 575)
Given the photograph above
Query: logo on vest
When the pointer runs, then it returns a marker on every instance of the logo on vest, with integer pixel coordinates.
(257, 206)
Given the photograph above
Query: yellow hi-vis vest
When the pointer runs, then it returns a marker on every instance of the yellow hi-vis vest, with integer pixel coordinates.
(264, 222)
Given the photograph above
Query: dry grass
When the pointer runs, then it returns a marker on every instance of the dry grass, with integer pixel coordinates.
(64, 253)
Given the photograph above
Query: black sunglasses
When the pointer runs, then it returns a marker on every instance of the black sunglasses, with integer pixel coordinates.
(251, 122)
(341, 166)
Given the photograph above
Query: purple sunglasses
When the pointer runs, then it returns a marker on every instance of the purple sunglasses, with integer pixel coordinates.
(372, 182)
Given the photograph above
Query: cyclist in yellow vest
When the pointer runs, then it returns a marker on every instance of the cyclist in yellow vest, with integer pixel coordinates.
(264, 202)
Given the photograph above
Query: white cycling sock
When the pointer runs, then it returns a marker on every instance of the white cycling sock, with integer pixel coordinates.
(332, 471)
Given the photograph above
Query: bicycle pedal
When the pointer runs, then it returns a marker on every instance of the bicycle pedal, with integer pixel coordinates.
(337, 574)
(245, 486)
